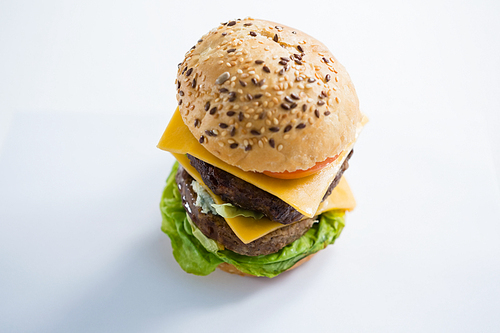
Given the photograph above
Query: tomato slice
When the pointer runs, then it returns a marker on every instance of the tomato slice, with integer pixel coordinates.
(302, 173)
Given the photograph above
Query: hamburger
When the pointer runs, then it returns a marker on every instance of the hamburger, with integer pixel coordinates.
(264, 129)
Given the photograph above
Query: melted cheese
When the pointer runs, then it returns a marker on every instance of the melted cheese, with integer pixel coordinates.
(303, 194)
(248, 229)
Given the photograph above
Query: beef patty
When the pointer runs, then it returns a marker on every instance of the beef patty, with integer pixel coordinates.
(215, 227)
(245, 195)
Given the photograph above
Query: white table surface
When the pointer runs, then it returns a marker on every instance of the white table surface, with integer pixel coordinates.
(86, 91)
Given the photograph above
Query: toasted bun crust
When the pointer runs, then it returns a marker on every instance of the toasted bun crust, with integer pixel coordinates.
(228, 268)
(265, 97)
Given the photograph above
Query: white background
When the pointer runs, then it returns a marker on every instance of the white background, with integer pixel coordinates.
(86, 90)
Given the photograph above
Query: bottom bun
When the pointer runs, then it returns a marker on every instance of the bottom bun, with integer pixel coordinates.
(228, 268)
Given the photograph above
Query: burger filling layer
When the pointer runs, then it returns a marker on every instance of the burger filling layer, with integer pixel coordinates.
(207, 219)
(247, 196)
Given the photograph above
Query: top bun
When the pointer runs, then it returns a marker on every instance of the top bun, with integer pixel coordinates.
(265, 97)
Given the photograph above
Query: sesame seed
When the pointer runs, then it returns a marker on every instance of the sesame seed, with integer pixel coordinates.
(223, 125)
(243, 83)
(213, 110)
(261, 82)
(233, 145)
(231, 50)
(223, 90)
(222, 78)
(275, 38)
(285, 106)
(196, 122)
(180, 102)
(311, 80)
(224, 34)
(300, 48)
(253, 34)
(248, 125)
(189, 72)
(231, 23)
(259, 62)
(304, 107)
(178, 84)
(295, 96)
(299, 78)
(328, 77)
(247, 24)
(202, 139)
(323, 93)
(255, 132)
(283, 62)
(257, 96)
(230, 113)
(210, 133)
(181, 93)
(232, 96)
(271, 143)
(326, 60)
(280, 147)
(233, 131)
(327, 113)
(297, 61)
(248, 147)
(288, 99)
(321, 103)
(185, 69)
(300, 126)
(249, 97)
(337, 99)
(288, 128)
(240, 116)
(254, 81)
(274, 129)
(207, 106)
(266, 69)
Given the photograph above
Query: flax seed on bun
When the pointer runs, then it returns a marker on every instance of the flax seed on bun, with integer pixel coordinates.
(266, 97)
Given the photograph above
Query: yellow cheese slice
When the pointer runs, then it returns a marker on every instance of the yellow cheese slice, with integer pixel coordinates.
(248, 229)
(340, 198)
(303, 194)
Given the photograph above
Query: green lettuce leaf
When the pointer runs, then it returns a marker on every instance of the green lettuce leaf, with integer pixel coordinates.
(188, 251)
(228, 210)
(197, 254)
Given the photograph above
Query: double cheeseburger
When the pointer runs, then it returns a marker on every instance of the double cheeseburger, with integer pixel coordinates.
(265, 125)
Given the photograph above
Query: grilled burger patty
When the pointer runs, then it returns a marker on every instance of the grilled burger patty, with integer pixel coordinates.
(215, 227)
(245, 195)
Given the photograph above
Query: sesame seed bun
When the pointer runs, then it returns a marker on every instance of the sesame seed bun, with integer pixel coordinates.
(265, 97)
(228, 268)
